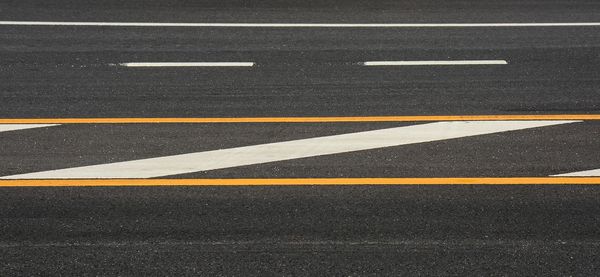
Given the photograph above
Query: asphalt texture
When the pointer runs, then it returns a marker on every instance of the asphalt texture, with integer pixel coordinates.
(341, 231)
(462, 230)
(67, 72)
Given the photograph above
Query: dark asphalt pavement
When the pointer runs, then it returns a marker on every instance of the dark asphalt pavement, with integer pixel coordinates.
(342, 231)
(65, 72)
(459, 230)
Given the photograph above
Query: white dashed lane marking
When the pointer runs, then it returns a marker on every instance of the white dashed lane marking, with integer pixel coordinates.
(435, 63)
(187, 64)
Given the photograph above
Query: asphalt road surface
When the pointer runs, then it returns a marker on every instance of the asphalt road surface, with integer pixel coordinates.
(299, 138)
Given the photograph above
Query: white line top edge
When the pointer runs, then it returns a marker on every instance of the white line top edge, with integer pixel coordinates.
(298, 25)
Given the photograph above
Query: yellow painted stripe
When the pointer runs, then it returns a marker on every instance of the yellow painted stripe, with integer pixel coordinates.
(298, 119)
(304, 181)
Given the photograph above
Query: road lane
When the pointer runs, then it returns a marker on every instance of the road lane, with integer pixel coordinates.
(286, 83)
(308, 230)
(299, 72)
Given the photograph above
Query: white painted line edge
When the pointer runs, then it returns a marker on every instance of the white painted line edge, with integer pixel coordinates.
(413, 63)
(15, 127)
(586, 173)
(298, 25)
(187, 64)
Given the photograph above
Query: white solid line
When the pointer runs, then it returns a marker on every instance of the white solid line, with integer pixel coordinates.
(587, 173)
(15, 127)
(281, 151)
(188, 64)
(410, 63)
(299, 25)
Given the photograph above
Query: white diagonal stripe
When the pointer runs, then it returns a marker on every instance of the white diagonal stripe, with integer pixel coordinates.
(587, 173)
(280, 151)
(14, 127)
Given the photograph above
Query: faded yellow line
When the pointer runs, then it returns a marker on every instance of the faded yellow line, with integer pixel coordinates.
(304, 182)
(297, 119)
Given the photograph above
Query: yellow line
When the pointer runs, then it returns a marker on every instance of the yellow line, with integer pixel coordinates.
(304, 182)
(298, 119)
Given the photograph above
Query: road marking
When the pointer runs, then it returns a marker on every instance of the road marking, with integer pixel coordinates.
(305, 182)
(288, 150)
(325, 119)
(188, 64)
(299, 25)
(586, 173)
(14, 127)
(413, 63)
